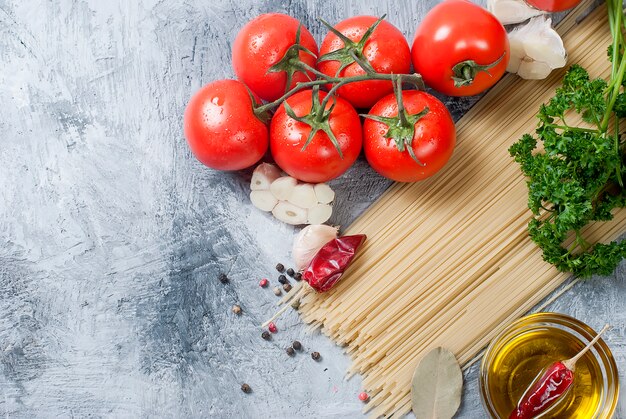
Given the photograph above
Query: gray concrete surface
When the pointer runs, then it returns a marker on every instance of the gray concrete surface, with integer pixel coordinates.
(112, 235)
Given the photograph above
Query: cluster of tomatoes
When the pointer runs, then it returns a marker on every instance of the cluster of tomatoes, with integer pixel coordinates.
(301, 102)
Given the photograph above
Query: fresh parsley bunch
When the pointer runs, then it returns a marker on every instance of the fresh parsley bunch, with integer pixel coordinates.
(576, 176)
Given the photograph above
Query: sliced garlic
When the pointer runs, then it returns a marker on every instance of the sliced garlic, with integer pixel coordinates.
(324, 194)
(283, 187)
(509, 12)
(536, 49)
(289, 213)
(288, 200)
(303, 195)
(263, 200)
(319, 214)
(263, 176)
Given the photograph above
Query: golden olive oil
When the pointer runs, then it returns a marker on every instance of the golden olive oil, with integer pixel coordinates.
(520, 361)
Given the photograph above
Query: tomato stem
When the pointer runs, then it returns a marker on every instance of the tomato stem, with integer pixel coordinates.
(465, 71)
(415, 79)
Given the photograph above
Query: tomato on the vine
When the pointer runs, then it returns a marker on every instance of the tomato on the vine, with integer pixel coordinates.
(413, 147)
(222, 129)
(266, 51)
(315, 143)
(460, 49)
(384, 49)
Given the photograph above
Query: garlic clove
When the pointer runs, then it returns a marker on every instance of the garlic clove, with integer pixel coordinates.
(309, 241)
(533, 70)
(324, 194)
(517, 54)
(546, 47)
(543, 49)
(303, 195)
(263, 176)
(509, 12)
(289, 213)
(320, 213)
(282, 187)
(263, 200)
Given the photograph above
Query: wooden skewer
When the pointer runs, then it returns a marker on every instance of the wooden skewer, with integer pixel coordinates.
(571, 363)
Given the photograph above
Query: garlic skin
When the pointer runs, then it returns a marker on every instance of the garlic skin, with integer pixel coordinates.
(536, 49)
(309, 241)
(509, 12)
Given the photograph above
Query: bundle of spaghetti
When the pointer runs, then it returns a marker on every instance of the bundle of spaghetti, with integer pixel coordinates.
(448, 261)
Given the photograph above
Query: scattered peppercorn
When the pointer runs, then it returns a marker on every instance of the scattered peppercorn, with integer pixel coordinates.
(296, 304)
(264, 282)
(290, 272)
(246, 388)
(283, 279)
(266, 335)
(316, 356)
(364, 396)
(296, 345)
(290, 351)
(287, 287)
(277, 291)
(298, 276)
(237, 309)
(223, 278)
(280, 267)
(272, 327)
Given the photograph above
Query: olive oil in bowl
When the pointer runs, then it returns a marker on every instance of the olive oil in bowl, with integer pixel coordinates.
(522, 352)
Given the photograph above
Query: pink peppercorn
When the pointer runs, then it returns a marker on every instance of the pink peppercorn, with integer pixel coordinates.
(272, 327)
(364, 396)
(264, 282)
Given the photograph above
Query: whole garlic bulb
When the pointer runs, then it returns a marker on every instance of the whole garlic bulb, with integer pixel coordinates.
(309, 241)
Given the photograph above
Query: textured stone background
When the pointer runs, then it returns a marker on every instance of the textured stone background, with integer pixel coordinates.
(112, 235)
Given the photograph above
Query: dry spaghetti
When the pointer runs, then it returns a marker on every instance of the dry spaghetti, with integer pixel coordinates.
(448, 261)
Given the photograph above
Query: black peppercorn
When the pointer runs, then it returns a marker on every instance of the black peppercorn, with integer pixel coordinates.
(290, 351)
(316, 356)
(223, 278)
(296, 345)
(283, 279)
(287, 287)
(246, 388)
(266, 335)
(298, 276)
(290, 272)
(280, 267)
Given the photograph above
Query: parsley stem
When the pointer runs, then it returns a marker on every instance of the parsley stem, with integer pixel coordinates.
(577, 129)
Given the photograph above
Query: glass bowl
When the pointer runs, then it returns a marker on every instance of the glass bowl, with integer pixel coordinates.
(516, 356)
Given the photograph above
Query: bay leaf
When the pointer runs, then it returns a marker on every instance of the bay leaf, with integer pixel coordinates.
(437, 385)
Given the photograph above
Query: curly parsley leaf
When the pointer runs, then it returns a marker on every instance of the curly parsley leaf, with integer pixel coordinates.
(574, 175)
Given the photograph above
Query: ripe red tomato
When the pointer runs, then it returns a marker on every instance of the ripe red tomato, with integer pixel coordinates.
(455, 33)
(320, 160)
(386, 50)
(432, 141)
(262, 43)
(221, 128)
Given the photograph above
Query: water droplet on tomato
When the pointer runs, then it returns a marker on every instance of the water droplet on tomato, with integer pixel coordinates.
(219, 101)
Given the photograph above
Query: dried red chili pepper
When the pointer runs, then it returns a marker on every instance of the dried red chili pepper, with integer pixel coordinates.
(325, 270)
(329, 264)
(550, 386)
